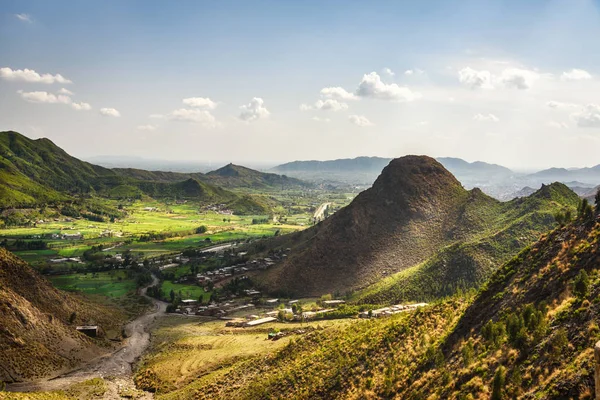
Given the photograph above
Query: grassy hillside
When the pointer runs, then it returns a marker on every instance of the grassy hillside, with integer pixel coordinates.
(416, 220)
(230, 176)
(37, 324)
(467, 263)
(528, 334)
(37, 171)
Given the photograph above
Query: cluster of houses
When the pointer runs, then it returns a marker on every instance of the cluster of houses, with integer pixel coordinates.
(220, 274)
(218, 208)
(391, 310)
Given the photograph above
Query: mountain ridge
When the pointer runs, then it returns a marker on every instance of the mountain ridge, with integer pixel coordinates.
(415, 208)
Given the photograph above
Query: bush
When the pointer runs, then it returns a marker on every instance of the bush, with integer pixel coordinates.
(581, 285)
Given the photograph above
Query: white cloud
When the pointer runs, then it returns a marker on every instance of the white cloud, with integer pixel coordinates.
(156, 116)
(44, 97)
(575, 75)
(475, 79)
(486, 118)
(325, 105)
(254, 110)
(81, 106)
(415, 71)
(588, 117)
(200, 102)
(557, 125)
(337, 93)
(66, 91)
(29, 75)
(360, 120)
(321, 119)
(50, 98)
(372, 86)
(558, 104)
(110, 112)
(24, 17)
(518, 78)
(203, 117)
(146, 127)
(388, 71)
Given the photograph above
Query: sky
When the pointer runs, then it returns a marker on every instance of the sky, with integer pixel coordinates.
(510, 82)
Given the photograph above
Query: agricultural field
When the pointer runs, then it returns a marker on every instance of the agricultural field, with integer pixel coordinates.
(111, 284)
(176, 223)
(185, 291)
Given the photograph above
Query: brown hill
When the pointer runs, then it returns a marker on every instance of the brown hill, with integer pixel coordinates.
(402, 220)
(37, 324)
(415, 210)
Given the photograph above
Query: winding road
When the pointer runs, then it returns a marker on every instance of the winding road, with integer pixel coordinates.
(117, 365)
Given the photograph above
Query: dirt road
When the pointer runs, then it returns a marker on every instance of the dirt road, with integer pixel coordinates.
(117, 366)
(319, 215)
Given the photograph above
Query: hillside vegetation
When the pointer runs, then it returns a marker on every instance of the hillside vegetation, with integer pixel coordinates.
(37, 324)
(418, 228)
(529, 333)
(34, 172)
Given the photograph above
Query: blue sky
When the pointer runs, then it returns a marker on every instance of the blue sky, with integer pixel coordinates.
(511, 82)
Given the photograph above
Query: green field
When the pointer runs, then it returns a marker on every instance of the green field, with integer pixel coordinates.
(176, 221)
(113, 284)
(187, 291)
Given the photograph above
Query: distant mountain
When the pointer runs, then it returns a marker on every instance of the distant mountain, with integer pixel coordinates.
(229, 176)
(585, 175)
(416, 216)
(364, 170)
(37, 324)
(236, 176)
(38, 171)
(477, 170)
(361, 164)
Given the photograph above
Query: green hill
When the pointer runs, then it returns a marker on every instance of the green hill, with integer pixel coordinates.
(416, 234)
(230, 176)
(528, 334)
(236, 176)
(37, 171)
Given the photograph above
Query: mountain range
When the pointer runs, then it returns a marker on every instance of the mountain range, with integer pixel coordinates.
(418, 228)
(498, 181)
(37, 171)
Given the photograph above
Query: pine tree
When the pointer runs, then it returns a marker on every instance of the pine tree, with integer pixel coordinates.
(498, 384)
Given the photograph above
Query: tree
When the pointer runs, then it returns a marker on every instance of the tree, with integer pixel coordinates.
(172, 295)
(498, 384)
(597, 199)
(585, 210)
(581, 285)
(468, 352)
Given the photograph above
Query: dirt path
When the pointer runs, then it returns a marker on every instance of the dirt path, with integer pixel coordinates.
(117, 366)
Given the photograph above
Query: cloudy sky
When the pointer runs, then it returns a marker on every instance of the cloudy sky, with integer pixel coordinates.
(511, 82)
